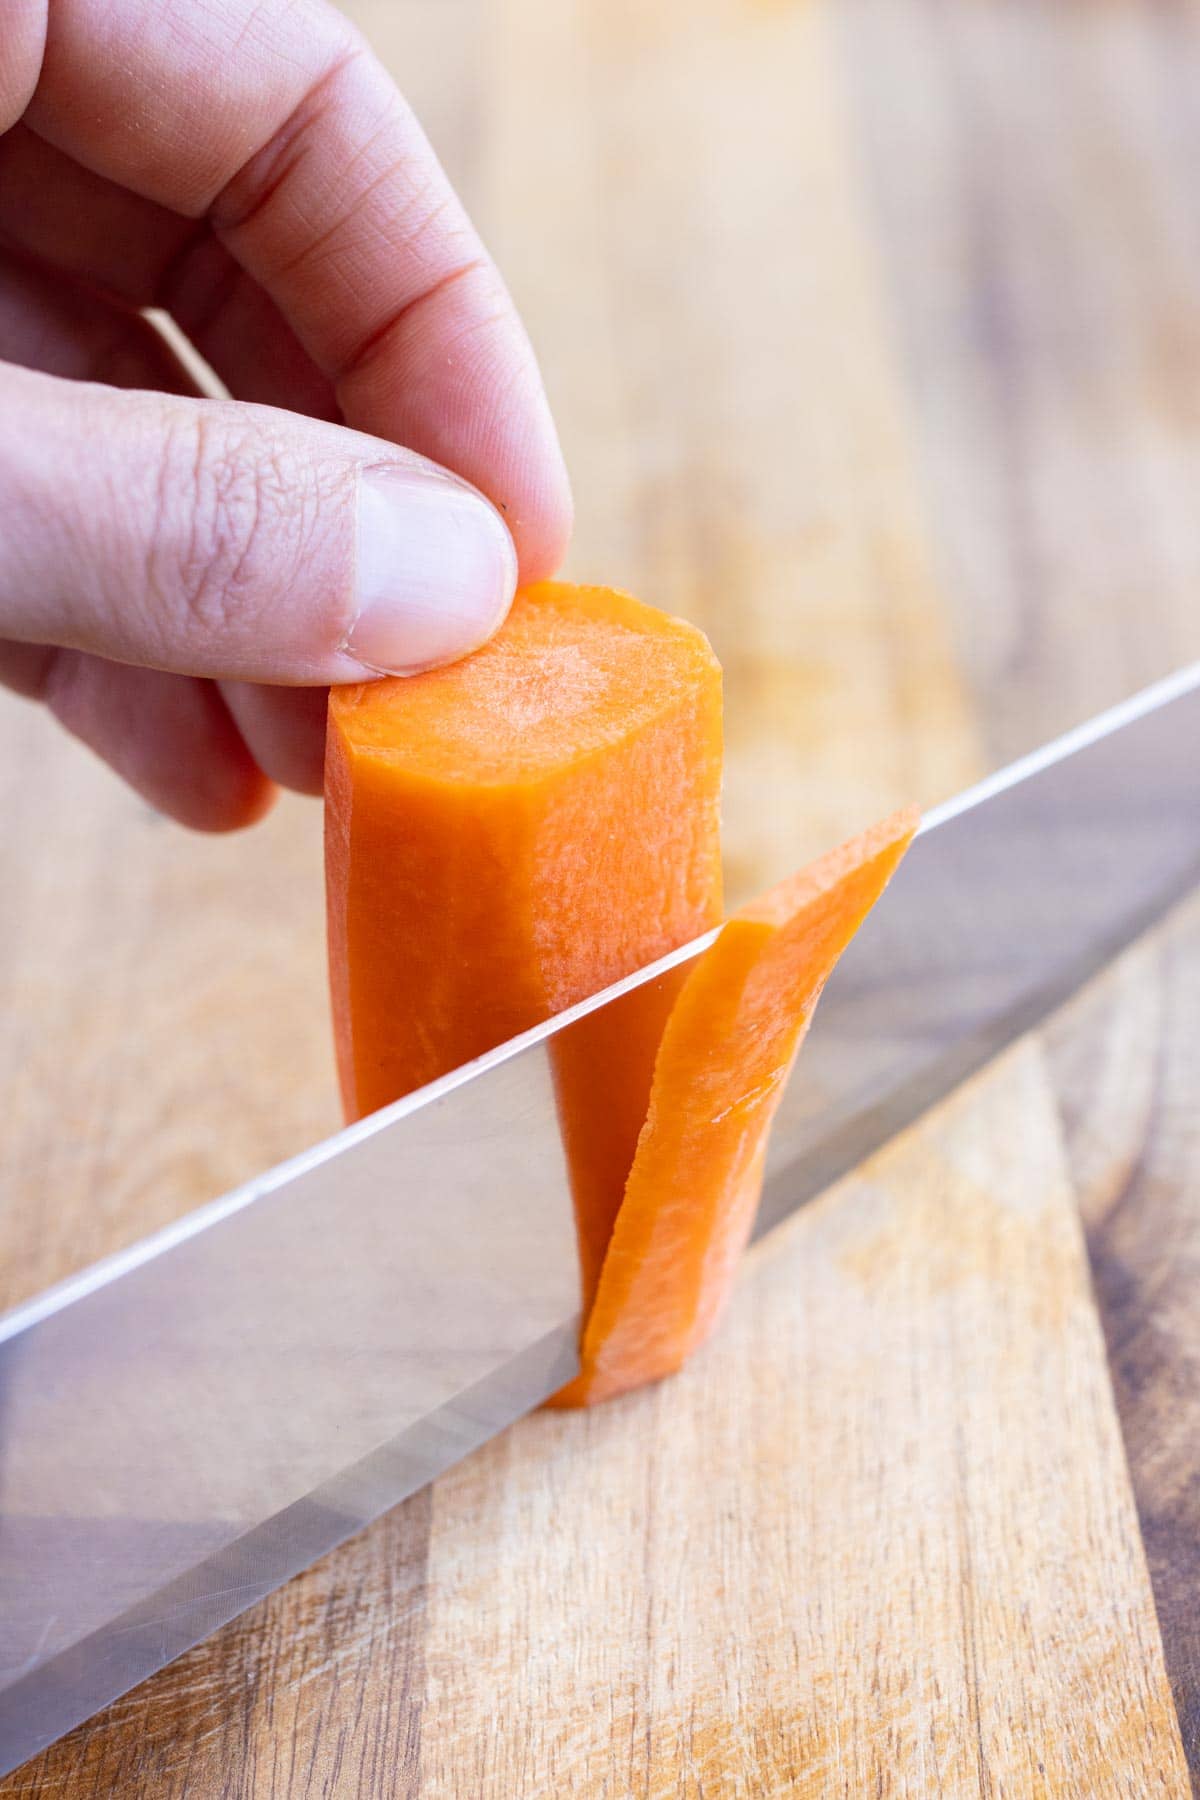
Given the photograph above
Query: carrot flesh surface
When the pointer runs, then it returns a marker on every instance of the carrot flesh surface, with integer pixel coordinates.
(508, 835)
(603, 1066)
(719, 1075)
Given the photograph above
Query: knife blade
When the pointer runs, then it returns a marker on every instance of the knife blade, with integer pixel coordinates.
(191, 1422)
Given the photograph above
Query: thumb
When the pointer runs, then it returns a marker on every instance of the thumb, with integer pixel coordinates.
(216, 538)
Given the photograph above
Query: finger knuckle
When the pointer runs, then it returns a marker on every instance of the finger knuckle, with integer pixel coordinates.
(214, 505)
(237, 516)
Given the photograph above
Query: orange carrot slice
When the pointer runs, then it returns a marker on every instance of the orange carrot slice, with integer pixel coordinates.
(603, 1066)
(719, 1075)
(508, 835)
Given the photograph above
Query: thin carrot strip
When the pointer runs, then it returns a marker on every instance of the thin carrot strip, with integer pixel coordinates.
(603, 1066)
(719, 1075)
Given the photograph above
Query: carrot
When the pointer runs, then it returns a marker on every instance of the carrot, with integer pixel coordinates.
(508, 835)
(603, 1066)
(719, 1076)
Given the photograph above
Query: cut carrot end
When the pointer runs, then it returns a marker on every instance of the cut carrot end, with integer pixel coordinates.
(510, 834)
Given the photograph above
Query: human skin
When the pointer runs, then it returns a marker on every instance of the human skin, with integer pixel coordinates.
(181, 577)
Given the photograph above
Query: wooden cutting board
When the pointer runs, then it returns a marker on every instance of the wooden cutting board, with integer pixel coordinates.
(873, 328)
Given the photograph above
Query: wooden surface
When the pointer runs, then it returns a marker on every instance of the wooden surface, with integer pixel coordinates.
(873, 327)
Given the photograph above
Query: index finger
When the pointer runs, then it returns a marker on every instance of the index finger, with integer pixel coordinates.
(276, 123)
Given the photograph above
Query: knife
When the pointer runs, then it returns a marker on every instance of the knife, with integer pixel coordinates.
(189, 1423)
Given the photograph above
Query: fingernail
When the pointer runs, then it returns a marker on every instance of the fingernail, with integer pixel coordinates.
(436, 570)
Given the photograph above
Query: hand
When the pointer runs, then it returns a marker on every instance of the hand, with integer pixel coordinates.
(180, 576)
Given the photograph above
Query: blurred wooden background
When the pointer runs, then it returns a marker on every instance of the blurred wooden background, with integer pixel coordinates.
(873, 330)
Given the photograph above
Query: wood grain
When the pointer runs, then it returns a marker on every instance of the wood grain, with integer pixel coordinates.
(878, 1539)
(1034, 174)
(166, 1026)
(881, 1537)
(1051, 325)
(1126, 1063)
(860, 1555)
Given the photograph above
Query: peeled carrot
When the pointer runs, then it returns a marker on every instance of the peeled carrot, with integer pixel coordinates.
(508, 835)
(603, 1066)
(719, 1075)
